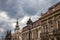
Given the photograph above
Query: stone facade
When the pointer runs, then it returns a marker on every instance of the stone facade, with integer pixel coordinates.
(16, 36)
(34, 34)
(50, 23)
(47, 27)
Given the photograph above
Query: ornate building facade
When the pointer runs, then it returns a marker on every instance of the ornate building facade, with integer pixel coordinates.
(47, 27)
(50, 23)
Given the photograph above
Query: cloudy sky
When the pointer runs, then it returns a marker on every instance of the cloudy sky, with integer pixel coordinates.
(23, 9)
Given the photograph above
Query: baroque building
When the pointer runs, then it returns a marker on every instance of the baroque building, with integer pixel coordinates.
(47, 27)
(50, 23)
(17, 34)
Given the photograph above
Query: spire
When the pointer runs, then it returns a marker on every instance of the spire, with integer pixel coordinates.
(17, 25)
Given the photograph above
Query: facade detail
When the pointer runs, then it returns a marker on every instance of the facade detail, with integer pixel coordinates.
(47, 27)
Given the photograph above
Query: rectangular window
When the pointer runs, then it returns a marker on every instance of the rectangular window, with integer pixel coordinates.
(59, 25)
(51, 25)
(45, 28)
(36, 33)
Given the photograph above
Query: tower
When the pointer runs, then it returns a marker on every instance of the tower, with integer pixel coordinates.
(17, 26)
(17, 29)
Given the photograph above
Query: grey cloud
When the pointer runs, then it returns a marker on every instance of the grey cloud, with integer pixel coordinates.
(24, 7)
(5, 25)
(8, 7)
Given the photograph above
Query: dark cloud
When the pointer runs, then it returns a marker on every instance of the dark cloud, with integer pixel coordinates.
(13, 7)
(30, 11)
(8, 7)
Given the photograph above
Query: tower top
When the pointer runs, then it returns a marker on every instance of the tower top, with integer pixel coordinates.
(29, 22)
(17, 25)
